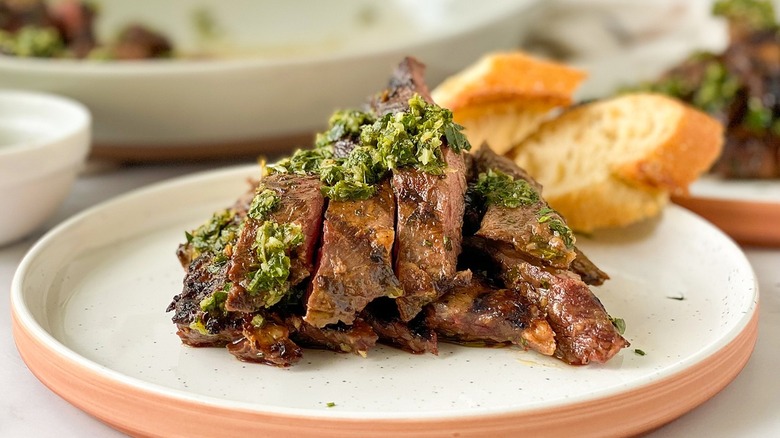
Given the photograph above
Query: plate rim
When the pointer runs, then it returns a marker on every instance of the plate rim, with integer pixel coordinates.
(26, 330)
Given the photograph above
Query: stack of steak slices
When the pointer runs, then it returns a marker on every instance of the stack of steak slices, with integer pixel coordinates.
(341, 247)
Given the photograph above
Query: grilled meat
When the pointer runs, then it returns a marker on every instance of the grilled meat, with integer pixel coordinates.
(414, 336)
(357, 337)
(528, 228)
(301, 202)
(268, 343)
(583, 330)
(356, 259)
(477, 313)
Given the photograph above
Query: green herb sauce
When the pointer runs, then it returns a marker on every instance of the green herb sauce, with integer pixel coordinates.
(498, 188)
(411, 138)
(214, 236)
(263, 204)
(272, 246)
(619, 323)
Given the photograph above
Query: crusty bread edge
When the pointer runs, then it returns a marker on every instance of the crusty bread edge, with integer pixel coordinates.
(690, 151)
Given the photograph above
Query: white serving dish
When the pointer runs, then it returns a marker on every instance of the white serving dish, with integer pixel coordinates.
(291, 63)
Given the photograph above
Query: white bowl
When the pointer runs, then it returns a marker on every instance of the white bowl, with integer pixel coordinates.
(44, 140)
(292, 63)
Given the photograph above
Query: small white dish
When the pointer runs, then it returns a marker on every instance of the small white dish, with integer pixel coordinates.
(44, 139)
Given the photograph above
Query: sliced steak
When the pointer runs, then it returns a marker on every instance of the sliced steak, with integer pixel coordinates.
(301, 202)
(356, 338)
(408, 78)
(477, 313)
(196, 327)
(587, 270)
(530, 229)
(268, 344)
(356, 259)
(583, 330)
(428, 232)
(414, 336)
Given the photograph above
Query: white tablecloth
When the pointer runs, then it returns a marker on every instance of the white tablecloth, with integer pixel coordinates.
(748, 407)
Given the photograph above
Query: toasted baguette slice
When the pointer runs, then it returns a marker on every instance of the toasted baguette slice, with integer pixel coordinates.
(614, 162)
(504, 97)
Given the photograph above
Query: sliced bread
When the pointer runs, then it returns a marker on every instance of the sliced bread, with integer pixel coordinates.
(614, 162)
(504, 97)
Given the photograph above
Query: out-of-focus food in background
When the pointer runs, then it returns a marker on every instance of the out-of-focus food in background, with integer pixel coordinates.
(255, 76)
(740, 86)
(66, 29)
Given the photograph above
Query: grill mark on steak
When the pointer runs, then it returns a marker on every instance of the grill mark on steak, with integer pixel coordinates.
(428, 232)
(520, 227)
(356, 338)
(301, 202)
(476, 313)
(414, 336)
(355, 264)
(583, 330)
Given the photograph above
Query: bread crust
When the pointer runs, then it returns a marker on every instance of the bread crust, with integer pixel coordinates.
(509, 77)
(691, 150)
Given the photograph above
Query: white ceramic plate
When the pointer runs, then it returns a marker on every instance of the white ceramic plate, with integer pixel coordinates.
(88, 304)
(290, 64)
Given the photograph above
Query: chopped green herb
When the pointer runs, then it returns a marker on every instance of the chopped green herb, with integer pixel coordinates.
(639, 352)
(272, 246)
(215, 303)
(498, 188)
(330, 404)
(198, 326)
(619, 324)
(411, 138)
(678, 298)
(32, 41)
(258, 321)
(447, 243)
(214, 236)
(263, 204)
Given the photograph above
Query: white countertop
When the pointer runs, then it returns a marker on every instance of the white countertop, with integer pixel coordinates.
(748, 407)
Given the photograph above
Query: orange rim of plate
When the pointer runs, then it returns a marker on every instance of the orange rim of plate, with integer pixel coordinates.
(747, 222)
(143, 412)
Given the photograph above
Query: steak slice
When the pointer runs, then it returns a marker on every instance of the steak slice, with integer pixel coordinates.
(583, 330)
(414, 336)
(196, 327)
(429, 232)
(269, 343)
(477, 313)
(301, 203)
(355, 263)
(408, 78)
(530, 229)
(587, 270)
(357, 338)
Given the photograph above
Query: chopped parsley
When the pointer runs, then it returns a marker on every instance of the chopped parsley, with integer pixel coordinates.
(215, 236)
(264, 202)
(215, 303)
(619, 323)
(258, 321)
(330, 404)
(272, 246)
(498, 188)
(411, 138)
(639, 352)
